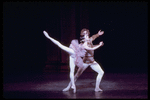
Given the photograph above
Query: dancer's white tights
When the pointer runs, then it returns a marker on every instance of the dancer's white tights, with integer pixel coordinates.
(78, 73)
(96, 67)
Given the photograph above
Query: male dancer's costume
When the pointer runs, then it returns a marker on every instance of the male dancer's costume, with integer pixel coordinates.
(89, 56)
(88, 60)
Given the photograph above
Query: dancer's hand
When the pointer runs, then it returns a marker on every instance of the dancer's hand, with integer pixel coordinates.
(101, 43)
(46, 34)
(100, 32)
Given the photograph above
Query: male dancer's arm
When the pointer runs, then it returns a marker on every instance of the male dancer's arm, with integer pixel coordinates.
(93, 37)
(93, 48)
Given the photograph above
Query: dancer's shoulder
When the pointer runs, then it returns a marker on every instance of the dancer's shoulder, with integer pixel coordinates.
(75, 41)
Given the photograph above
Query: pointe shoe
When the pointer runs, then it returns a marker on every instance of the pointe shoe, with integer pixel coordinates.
(46, 34)
(66, 89)
(74, 89)
(98, 90)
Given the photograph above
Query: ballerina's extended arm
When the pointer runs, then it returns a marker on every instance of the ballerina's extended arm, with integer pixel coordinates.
(67, 49)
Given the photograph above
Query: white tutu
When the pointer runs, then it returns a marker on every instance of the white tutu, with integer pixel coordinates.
(79, 52)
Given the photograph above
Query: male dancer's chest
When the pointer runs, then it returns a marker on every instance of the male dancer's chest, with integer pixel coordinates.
(89, 56)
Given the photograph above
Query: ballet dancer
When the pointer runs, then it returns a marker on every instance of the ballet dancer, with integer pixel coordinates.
(75, 51)
(88, 59)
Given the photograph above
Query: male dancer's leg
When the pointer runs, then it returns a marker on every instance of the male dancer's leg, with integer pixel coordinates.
(96, 67)
(78, 73)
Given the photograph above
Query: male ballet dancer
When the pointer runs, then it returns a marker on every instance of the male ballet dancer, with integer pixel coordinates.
(76, 51)
(88, 59)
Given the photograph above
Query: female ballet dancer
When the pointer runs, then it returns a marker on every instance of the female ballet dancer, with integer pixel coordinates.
(75, 51)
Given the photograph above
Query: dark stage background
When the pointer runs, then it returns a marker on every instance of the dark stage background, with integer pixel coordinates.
(26, 50)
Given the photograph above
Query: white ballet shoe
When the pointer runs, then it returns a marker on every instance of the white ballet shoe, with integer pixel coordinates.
(66, 89)
(74, 89)
(46, 34)
(98, 90)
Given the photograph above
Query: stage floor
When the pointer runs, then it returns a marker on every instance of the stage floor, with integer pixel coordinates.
(50, 85)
